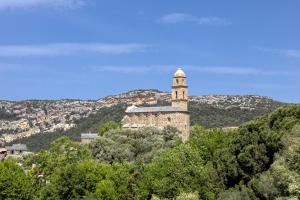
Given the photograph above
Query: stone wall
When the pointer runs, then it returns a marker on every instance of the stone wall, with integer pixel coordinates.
(86, 140)
(180, 104)
(180, 120)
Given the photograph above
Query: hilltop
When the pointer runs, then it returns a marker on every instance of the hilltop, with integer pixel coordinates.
(22, 119)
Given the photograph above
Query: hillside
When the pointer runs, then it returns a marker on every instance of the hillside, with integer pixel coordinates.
(69, 117)
(258, 160)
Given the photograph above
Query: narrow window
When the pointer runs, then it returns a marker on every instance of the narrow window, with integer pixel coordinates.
(177, 81)
(176, 94)
(169, 119)
(183, 94)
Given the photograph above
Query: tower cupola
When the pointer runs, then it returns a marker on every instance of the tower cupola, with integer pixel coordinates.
(179, 73)
(180, 90)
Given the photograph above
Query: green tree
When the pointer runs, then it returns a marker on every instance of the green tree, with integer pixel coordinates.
(180, 169)
(282, 180)
(129, 145)
(108, 126)
(208, 141)
(252, 147)
(63, 151)
(188, 196)
(88, 178)
(73, 181)
(240, 192)
(14, 183)
(106, 189)
(260, 160)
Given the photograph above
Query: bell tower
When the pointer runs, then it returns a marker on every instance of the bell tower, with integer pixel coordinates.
(180, 90)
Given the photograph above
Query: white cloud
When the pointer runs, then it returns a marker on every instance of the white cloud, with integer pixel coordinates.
(148, 69)
(228, 70)
(125, 69)
(133, 69)
(175, 18)
(15, 4)
(221, 70)
(293, 53)
(237, 71)
(65, 49)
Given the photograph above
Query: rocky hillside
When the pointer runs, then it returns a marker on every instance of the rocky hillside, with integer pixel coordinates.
(25, 118)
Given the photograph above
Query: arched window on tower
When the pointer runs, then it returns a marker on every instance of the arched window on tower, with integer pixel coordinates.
(183, 94)
(176, 94)
(177, 81)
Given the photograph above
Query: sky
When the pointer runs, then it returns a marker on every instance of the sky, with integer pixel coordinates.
(89, 49)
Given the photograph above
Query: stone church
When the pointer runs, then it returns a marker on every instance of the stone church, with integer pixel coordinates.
(176, 115)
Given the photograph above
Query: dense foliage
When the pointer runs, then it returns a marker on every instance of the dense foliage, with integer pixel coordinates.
(259, 160)
(212, 117)
(14, 183)
(67, 171)
(108, 126)
(129, 145)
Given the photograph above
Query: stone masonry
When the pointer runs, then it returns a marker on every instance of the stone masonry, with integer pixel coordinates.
(176, 115)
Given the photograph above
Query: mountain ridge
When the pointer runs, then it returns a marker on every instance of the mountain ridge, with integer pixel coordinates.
(19, 119)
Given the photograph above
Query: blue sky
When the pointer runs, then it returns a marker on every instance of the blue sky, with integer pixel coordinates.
(88, 49)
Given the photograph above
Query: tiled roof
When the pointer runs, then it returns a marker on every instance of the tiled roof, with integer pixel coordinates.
(89, 135)
(133, 125)
(134, 109)
(17, 147)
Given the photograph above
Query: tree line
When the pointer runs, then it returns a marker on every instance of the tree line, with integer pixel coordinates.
(259, 160)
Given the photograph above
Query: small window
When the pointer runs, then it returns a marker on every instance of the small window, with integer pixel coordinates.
(176, 94)
(177, 81)
(183, 94)
(169, 119)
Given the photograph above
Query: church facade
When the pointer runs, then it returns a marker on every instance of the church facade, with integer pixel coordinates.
(176, 115)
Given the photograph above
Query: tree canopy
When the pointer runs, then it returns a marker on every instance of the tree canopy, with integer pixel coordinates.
(128, 145)
(14, 183)
(259, 160)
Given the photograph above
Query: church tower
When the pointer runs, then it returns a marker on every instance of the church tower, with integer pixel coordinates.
(180, 90)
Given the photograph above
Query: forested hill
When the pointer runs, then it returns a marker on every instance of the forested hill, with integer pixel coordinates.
(71, 117)
(26, 118)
